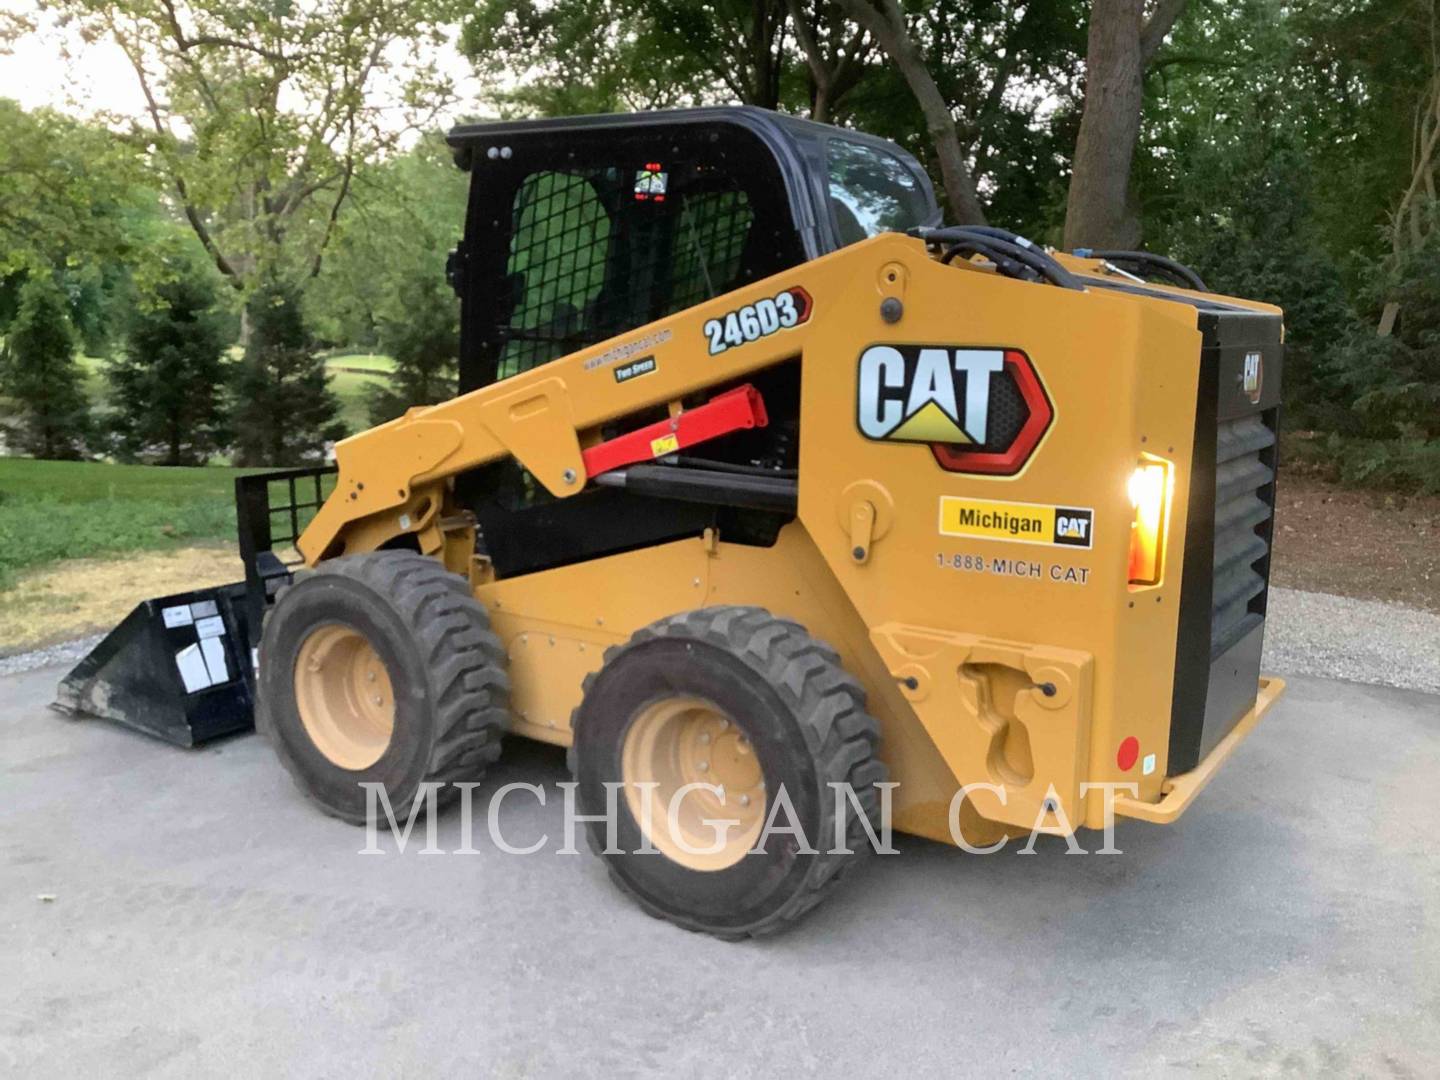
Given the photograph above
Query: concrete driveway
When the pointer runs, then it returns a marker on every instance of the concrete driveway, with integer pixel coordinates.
(205, 919)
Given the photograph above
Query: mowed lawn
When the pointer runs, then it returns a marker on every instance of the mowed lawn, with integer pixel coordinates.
(66, 528)
(53, 510)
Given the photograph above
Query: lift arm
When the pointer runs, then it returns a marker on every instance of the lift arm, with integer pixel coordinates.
(392, 477)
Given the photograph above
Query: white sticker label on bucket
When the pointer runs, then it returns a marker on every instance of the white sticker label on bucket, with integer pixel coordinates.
(177, 616)
(203, 609)
(213, 650)
(208, 628)
(192, 668)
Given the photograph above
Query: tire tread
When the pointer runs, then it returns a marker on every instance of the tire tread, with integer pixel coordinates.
(826, 700)
(463, 659)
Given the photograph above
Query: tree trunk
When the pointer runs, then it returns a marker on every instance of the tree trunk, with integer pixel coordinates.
(767, 22)
(887, 26)
(1101, 211)
(820, 105)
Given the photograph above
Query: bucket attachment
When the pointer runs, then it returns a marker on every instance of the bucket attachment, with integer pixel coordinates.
(178, 667)
(182, 667)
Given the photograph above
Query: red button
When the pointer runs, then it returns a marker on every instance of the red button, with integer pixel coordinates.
(1128, 754)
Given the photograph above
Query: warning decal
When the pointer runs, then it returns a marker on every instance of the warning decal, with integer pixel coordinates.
(1022, 523)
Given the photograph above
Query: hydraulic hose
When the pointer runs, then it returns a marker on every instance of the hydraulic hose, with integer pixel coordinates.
(1159, 265)
(990, 241)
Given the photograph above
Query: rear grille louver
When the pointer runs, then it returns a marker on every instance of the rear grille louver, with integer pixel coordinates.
(1244, 471)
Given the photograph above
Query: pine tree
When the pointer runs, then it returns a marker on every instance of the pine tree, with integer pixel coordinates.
(48, 413)
(168, 386)
(284, 409)
(418, 328)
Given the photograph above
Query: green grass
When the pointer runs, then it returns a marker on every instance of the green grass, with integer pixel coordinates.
(375, 362)
(349, 387)
(350, 376)
(51, 510)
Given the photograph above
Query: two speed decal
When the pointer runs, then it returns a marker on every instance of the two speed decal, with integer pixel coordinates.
(760, 319)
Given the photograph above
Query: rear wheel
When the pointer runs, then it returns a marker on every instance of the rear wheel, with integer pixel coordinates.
(717, 723)
(380, 668)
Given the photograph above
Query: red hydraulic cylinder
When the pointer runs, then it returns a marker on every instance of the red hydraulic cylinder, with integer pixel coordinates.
(734, 410)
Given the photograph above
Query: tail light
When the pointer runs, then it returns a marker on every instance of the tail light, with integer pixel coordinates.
(1149, 488)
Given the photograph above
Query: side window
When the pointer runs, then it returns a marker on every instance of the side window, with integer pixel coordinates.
(710, 233)
(594, 253)
(559, 246)
(872, 191)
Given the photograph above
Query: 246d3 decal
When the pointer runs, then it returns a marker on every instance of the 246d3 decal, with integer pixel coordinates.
(760, 319)
(980, 410)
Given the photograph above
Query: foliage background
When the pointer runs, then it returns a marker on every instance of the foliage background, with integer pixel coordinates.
(1285, 152)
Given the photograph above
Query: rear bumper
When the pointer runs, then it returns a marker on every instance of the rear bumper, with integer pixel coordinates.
(1179, 791)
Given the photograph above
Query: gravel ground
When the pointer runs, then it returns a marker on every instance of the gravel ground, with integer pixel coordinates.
(67, 652)
(1309, 633)
(1336, 637)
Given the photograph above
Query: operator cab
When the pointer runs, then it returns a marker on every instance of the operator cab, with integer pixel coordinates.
(579, 229)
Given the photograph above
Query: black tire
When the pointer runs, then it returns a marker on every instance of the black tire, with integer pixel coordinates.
(805, 718)
(446, 668)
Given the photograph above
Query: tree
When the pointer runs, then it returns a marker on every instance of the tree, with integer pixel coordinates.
(48, 414)
(384, 284)
(1123, 41)
(835, 53)
(739, 43)
(886, 24)
(72, 206)
(578, 56)
(258, 116)
(1226, 182)
(989, 71)
(399, 227)
(66, 191)
(167, 388)
(420, 331)
(284, 411)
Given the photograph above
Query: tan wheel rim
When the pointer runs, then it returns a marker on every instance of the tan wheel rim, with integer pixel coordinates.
(343, 692)
(680, 741)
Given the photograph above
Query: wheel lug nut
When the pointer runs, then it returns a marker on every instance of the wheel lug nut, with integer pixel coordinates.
(704, 766)
(377, 699)
(704, 737)
(744, 800)
(371, 676)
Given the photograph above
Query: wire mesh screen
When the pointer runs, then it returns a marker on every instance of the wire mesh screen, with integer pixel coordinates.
(293, 501)
(712, 228)
(596, 252)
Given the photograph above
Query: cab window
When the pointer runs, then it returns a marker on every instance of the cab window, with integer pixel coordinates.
(872, 191)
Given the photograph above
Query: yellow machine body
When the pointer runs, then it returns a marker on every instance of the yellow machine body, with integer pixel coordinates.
(1011, 667)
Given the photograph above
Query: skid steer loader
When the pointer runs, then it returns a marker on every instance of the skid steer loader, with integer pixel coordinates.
(763, 484)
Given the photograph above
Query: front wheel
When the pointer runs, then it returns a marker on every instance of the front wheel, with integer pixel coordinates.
(726, 729)
(381, 669)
